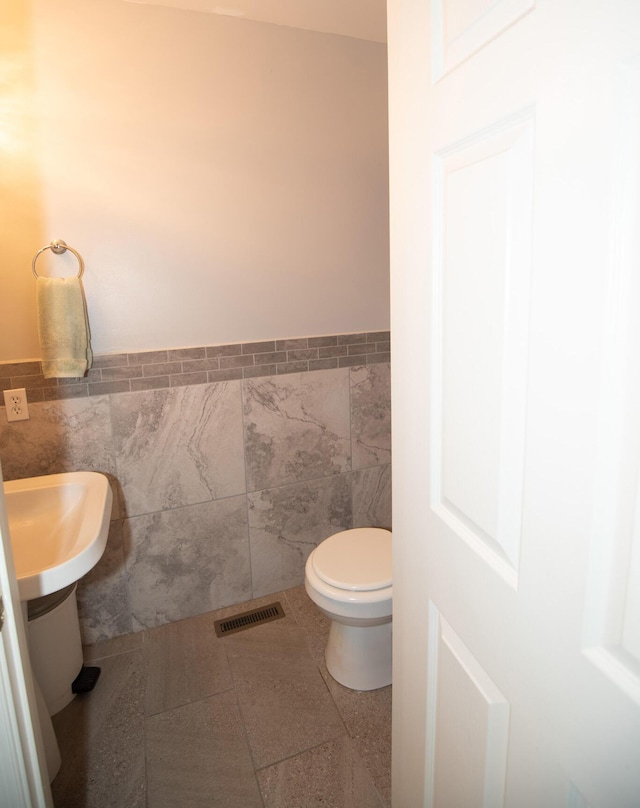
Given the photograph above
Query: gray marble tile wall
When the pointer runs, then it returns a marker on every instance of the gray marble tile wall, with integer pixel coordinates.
(222, 489)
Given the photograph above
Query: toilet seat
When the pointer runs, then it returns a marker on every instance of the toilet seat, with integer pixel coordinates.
(357, 560)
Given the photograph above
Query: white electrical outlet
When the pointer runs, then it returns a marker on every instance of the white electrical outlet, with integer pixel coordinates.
(16, 404)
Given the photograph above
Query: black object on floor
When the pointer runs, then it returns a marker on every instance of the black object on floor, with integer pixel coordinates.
(86, 680)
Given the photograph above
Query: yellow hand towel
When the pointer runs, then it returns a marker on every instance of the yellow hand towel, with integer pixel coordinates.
(64, 328)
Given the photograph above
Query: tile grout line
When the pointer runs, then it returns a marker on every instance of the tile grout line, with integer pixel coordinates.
(246, 479)
(142, 375)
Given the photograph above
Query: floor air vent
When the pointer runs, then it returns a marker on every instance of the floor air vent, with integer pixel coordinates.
(244, 620)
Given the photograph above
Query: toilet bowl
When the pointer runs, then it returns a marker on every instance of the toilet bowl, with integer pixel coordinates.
(348, 576)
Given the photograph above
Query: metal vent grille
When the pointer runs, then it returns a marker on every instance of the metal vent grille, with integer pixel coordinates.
(244, 620)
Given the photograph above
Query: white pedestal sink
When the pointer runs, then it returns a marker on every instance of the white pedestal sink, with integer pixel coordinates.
(58, 525)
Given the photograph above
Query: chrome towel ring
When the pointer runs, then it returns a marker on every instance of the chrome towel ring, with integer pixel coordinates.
(58, 247)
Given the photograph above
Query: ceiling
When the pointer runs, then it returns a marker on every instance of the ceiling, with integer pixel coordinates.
(362, 19)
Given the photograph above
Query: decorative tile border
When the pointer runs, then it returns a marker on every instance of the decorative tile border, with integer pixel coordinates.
(147, 370)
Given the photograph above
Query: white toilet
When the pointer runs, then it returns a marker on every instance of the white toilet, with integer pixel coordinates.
(348, 576)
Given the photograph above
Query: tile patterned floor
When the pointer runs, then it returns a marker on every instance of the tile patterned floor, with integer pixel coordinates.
(182, 718)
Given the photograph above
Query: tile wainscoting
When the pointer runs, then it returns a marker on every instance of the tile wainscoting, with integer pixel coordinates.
(148, 370)
(223, 486)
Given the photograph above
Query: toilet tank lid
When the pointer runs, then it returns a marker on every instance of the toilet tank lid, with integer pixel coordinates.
(358, 559)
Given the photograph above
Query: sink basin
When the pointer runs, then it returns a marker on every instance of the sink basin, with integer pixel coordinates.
(58, 526)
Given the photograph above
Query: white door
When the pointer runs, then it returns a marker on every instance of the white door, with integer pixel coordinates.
(23, 779)
(515, 263)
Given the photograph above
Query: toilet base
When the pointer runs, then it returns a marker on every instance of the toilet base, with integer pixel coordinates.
(359, 657)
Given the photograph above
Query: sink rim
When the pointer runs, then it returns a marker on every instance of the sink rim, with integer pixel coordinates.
(91, 536)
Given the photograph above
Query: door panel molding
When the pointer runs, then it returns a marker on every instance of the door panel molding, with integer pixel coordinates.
(611, 636)
(482, 203)
(457, 36)
(467, 724)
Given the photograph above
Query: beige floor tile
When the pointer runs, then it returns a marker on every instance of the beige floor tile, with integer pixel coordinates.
(197, 755)
(101, 738)
(328, 775)
(116, 645)
(313, 624)
(367, 715)
(285, 705)
(184, 662)
(219, 709)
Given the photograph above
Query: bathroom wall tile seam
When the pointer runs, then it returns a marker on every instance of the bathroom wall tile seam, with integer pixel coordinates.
(351, 469)
(338, 486)
(248, 494)
(247, 507)
(319, 478)
(132, 372)
(248, 491)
